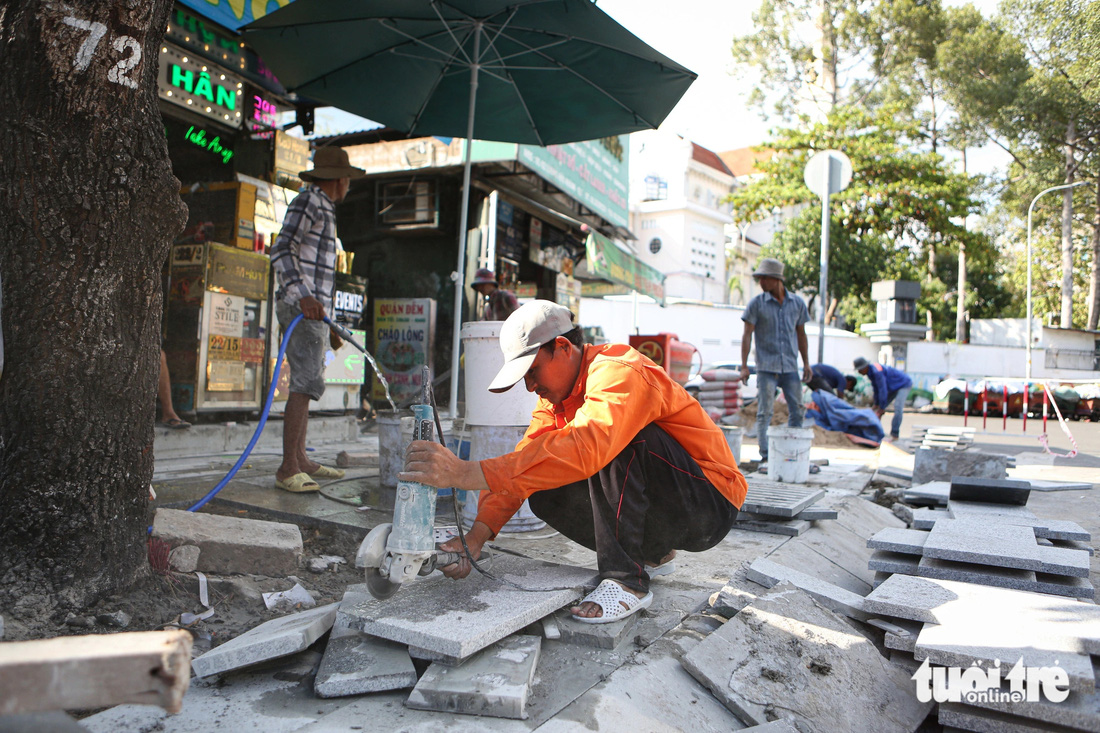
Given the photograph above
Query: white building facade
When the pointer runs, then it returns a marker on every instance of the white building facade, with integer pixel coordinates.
(678, 211)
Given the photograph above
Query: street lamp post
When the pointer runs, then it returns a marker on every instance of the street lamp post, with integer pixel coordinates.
(1027, 369)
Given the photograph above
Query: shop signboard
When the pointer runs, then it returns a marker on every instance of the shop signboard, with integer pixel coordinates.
(593, 172)
(230, 270)
(194, 32)
(227, 317)
(234, 13)
(404, 331)
(202, 87)
(291, 158)
(609, 262)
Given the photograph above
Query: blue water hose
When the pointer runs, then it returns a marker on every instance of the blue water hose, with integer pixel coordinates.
(263, 419)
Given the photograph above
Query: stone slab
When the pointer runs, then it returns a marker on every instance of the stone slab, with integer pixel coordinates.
(980, 616)
(990, 491)
(903, 541)
(810, 559)
(789, 528)
(776, 726)
(884, 561)
(900, 635)
(1026, 580)
(231, 544)
(1079, 711)
(494, 682)
(833, 597)
(778, 499)
(458, 618)
(79, 672)
(1053, 529)
(925, 519)
(737, 593)
(842, 546)
(932, 493)
(973, 541)
(938, 464)
(966, 718)
(813, 514)
(863, 517)
(600, 636)
(1037, 485)
(56, 721)
(272, 639)
(355, 663)
(992, 639)
(787, 650)
(1074, 545)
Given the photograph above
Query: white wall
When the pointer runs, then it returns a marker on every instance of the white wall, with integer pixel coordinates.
(929, 361)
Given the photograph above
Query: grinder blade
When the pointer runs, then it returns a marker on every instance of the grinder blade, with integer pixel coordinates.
(380, 587)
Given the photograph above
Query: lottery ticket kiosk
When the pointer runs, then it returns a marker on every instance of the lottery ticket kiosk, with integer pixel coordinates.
(216, 327)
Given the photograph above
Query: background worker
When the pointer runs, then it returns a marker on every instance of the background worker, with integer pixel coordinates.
(618, 458)
(830, 379)
(500, 303)
(778, 319)
(890, 385)
(304, 260)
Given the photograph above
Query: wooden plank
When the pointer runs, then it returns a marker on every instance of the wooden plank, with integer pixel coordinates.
(80, 672)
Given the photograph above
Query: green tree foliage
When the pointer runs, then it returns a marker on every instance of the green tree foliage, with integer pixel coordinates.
(902, 206)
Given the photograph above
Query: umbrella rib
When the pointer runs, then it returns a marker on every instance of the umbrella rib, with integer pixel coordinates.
(450, 32)
(519, 96)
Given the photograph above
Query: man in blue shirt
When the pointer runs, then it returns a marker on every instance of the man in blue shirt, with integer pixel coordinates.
(830, 379)
(778, 318)
(890, 385)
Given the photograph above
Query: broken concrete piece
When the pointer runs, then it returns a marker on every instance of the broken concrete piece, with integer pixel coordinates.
(270, 640)
(550, 628)
(75, 672)
(938, 464)
(495, 682)
(787, 656)
(355, 663)
(345, 459)
(733, 596)
(833, 597)
(990, 491)
(600, 636)
(184, 559)
(115, 619)
(457, 619)
(232, 545)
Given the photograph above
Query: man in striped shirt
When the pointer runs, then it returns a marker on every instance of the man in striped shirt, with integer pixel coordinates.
(304, 259)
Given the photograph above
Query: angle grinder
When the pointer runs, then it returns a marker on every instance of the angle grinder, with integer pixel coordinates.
(396, 552)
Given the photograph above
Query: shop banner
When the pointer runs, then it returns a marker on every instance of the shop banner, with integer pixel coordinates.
(404, 330)
(204, 89)
(234, 13)
(607, 261)
(592, 172)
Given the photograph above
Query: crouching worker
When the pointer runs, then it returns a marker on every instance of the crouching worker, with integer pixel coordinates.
(618, 458)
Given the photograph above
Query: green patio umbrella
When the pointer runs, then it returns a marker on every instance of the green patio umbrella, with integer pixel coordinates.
(538, 72)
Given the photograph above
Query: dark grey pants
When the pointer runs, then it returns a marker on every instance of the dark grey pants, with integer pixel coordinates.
(651, 499)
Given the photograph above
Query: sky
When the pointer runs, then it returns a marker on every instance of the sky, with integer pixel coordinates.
(698, 34)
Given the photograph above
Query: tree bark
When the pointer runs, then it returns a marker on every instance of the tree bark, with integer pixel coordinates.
(88, 209)
(1094, 275)
(1066, 320)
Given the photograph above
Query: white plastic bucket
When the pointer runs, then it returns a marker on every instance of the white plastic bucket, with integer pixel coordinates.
(483, 359)
(789, 453)
(733, 437)
(488, 441)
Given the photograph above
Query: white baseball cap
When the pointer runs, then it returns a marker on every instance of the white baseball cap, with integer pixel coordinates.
(529, 327)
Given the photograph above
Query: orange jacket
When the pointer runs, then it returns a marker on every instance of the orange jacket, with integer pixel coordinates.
(618, 393)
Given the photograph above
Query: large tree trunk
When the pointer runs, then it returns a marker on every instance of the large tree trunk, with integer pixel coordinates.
(1066, 320)
(1094, 276)
(88, 208)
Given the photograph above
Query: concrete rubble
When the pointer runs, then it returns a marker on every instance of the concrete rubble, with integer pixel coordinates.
(231, 544)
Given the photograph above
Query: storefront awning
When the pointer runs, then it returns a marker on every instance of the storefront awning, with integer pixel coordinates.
(607, 261)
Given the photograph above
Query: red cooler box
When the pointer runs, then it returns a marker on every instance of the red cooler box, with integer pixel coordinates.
(667, 351)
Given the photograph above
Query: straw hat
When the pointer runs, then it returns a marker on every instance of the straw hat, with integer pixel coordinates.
(329, 164)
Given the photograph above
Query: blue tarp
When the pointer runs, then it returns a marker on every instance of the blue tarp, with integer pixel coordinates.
(833, 413)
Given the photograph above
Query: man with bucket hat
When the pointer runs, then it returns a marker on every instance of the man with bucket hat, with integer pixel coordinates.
(304, 260)
(500, 303)
(778, 320)
(618, 458)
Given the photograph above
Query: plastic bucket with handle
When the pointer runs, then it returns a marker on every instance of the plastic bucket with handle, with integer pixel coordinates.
(789, 453)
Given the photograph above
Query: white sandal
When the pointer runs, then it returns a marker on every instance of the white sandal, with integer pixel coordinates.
(666, 569)
(610, 597)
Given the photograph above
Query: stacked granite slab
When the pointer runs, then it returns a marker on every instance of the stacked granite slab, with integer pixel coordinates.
(955, 624)
(988, 536)
(780, 508)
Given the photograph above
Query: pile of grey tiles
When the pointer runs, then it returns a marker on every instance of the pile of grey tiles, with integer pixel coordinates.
(780, 508)
(475, 638)
(986, 583)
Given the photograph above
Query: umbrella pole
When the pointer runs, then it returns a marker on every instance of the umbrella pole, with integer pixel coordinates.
(460, 271)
